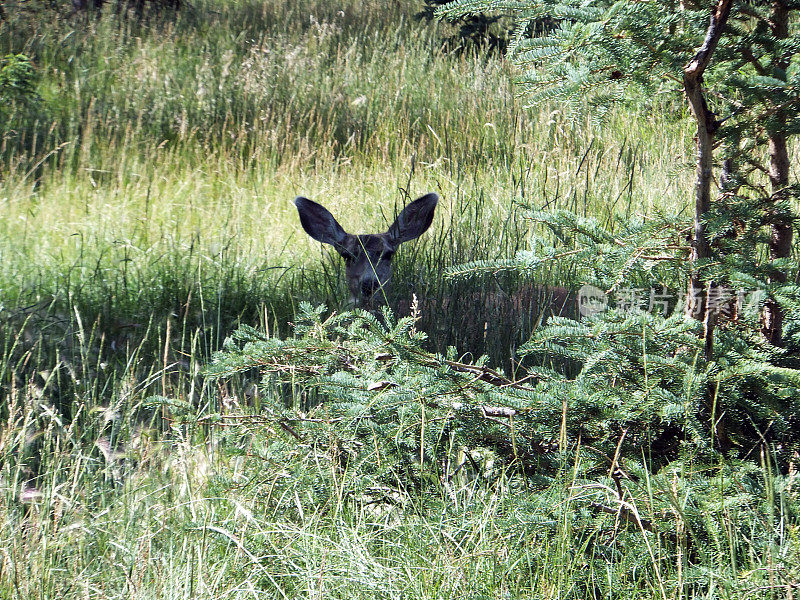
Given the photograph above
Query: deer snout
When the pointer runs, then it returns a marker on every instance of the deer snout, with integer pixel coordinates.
(369, 287)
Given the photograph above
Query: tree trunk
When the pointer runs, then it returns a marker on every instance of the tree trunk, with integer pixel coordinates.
(707, 125)
(780, 244)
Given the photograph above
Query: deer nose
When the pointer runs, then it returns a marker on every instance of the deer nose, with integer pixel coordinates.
(368, 287)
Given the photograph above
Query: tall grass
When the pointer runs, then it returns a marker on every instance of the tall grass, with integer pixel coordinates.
(245, 510)
(163, 155)
(210, 124)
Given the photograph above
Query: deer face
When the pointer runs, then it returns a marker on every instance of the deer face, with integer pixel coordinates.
(367, 257)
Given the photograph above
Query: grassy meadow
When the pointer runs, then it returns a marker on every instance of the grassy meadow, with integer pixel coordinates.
(162, 158)
(146, 211)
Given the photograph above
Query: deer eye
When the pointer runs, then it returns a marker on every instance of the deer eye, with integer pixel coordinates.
(347, 254)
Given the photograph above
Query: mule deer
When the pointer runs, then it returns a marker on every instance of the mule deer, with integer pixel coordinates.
(367, 257)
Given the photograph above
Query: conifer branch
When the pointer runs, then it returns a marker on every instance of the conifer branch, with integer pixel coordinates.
(747, 53)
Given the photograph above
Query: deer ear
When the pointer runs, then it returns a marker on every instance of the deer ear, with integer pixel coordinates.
(414, 220)
(319, 223)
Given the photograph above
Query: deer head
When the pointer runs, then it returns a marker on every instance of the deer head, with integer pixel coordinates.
(367, 257)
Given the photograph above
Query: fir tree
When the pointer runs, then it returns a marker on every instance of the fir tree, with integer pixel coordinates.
(735, 63)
